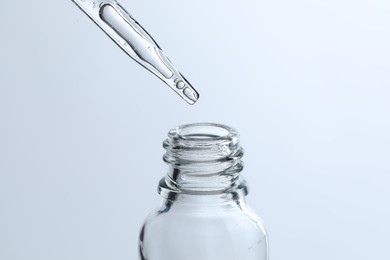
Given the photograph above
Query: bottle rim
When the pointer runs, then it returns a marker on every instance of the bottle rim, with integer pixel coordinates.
(203, 132)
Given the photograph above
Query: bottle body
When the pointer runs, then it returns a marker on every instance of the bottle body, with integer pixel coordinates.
(224, 231)
(203, 214)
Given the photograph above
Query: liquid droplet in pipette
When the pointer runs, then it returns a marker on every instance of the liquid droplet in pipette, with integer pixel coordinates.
(180, 84)
(191, 94)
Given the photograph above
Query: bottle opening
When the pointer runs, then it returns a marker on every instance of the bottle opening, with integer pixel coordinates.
(202, 136)
(203, 131)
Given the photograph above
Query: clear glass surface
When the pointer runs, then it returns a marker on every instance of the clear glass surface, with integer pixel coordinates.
(134, 40)
(203, 214)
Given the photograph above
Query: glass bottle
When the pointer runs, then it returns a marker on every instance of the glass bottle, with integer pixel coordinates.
(203, 214)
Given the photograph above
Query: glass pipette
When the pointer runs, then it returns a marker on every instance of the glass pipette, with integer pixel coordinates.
(129, 35)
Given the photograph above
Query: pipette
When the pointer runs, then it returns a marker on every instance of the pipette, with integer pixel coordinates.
(129, 35)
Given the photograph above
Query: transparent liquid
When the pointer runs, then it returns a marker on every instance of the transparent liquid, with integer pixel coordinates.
(141, 47)
(137, 43)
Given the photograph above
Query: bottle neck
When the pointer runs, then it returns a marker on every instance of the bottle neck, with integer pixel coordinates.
(203, 159)
(199, 203)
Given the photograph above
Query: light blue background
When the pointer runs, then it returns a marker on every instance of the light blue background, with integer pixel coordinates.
(306, 83)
